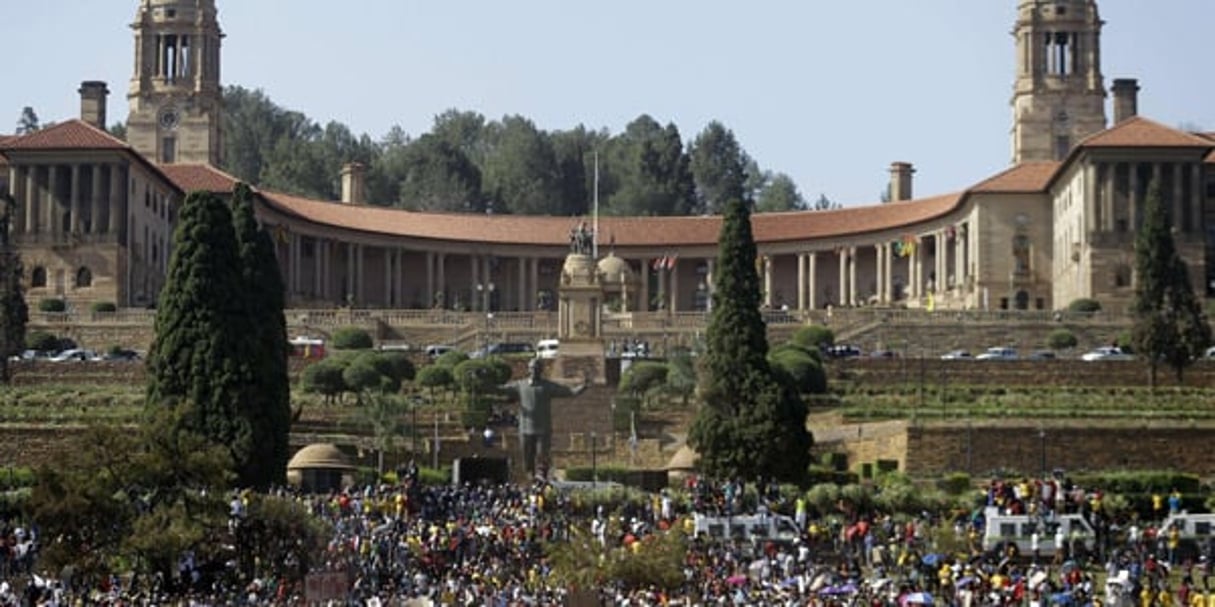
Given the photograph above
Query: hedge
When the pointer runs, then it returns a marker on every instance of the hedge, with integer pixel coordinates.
(352, 338)
(103, 306)
(52, 305)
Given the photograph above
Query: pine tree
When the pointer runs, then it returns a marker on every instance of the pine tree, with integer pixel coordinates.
(752, 423)
(1170, 326)
(268, 400)
(13, 311)
(201, 355)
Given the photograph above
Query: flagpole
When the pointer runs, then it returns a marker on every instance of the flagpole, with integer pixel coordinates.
(595, 217)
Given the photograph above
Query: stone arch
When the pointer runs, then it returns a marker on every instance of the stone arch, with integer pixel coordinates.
(1021, 300)
(38, 277)
(84, 277)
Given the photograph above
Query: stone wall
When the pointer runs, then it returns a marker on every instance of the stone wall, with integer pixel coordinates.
(936, 372)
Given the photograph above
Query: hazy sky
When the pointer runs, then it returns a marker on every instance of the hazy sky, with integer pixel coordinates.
(828, 92)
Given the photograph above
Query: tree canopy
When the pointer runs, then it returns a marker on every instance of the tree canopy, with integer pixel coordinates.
(13, 310)
(468, 163)
(752, 422)
(1170, 325)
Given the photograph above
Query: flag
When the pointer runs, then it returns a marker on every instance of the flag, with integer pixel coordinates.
(670, 264)
(932, 304)
(658, 264)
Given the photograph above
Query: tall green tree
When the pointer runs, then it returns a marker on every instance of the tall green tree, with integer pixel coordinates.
(204, 336)
(1170, 326)
(13, 311)
(438, 176)
(752, 423)
(28, 122)
(520, 171)
(779, 193)
(719, 167)
(267, 398)
(655, 177)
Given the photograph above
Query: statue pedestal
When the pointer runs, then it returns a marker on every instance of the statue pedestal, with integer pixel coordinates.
(579, 324)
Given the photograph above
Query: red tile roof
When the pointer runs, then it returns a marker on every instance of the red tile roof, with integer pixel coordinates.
(193, 177)
(1210, 159)
(72, 134)
(1027, 177)
(1139, 132)
(626, 231)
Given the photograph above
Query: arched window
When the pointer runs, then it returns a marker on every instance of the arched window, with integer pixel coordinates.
(38, 277)
(84, 278)
(1022, 300)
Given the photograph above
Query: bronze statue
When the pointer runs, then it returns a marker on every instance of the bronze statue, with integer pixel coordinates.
(582, 240)
(535, 396)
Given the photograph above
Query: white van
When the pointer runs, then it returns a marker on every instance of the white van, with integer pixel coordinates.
(1197, 533)
(760, 527)
(1003, 529)
(547, 348)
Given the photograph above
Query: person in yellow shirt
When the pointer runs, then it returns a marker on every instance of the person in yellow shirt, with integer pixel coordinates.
(1146, 596)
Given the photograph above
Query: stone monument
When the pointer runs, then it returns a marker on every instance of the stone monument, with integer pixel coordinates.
(579, 314)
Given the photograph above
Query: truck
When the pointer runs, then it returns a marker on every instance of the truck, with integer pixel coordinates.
(1001, 530)
(1195, 532)
(759, 527)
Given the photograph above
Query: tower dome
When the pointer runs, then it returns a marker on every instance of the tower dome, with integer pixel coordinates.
(615, 271)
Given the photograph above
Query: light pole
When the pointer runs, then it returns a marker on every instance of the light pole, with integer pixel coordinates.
(1042, 445)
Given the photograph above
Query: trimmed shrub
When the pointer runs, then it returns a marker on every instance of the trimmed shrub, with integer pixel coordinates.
(52, 305)
(1061, 339)
(103, 306)
(813, 337)
(41, 341)
(451, 358)
(1084, 305)
(803, 370)
(352, 338)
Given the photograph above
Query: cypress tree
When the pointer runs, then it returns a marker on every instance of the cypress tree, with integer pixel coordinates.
(200, 357)
(752, 422)
(13, 311)
(1170, 326)
(267, 402)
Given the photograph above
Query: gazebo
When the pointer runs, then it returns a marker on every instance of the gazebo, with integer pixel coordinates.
(319, 468)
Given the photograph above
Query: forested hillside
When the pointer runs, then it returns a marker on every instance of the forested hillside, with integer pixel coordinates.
(468, 163)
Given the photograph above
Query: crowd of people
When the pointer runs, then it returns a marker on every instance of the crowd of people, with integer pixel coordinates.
(476, 544)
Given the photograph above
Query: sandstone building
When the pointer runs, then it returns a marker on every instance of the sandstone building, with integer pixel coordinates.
(94, 214)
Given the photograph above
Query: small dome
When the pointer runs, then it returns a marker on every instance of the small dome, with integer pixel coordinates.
(320, 455)
(615, 270)
(683, 460)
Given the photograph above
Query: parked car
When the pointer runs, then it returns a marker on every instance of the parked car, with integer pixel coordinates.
(547, 348)
(957, 355)
(75, 355)
(122, 355)
(503, 349)
(998, 353)
(883, 354)
(434, 351)
(1107, 353)
(1043, 355)
(842, 351)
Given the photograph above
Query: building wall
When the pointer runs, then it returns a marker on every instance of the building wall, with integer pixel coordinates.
(1014, 250)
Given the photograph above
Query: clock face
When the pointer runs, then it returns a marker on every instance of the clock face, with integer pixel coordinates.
(169, 118)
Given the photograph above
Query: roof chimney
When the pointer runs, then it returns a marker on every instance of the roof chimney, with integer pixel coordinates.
(93, 94)
(1126, 99)
(352, 183)
(900, 181)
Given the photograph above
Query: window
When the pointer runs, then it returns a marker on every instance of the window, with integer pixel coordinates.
(168, 150)
(1021, 254)
(1122, 275)
(84, 278)
(38, 277)
(1063, 145)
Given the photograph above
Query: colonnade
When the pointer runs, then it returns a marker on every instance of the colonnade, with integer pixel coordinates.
(321, 270)
(59, 199)
(1116, 199)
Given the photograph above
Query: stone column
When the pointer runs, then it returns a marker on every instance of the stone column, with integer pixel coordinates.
(644, 290)
(1133, 199)
(674, 294)
(31, 199)
(95, 201)
(942, 259)
(853, 296)
(888, 275)
(442, 279)
(878, 281)
(389, 284)
(318, 268)
(1179, 222)
(474, 279)
(488, 274)
(767, 280)
(801, 282)
(1197, 197)
(532, 293)
(360, 279)
(74, 196)
(349, 295)
(430, 279)
(115, 208)
(842, 299)
(959, 261)
(812, 279)
(53, 225)
(710, 281)
(399, 281)
(913, 290)
(1092, 200)
(521, 284)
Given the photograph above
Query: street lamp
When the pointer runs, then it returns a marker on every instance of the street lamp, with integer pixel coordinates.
(1042, 444)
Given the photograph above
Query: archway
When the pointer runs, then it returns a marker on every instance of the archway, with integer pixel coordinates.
(1022, 300)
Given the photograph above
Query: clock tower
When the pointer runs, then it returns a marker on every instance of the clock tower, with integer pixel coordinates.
(176, 102)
